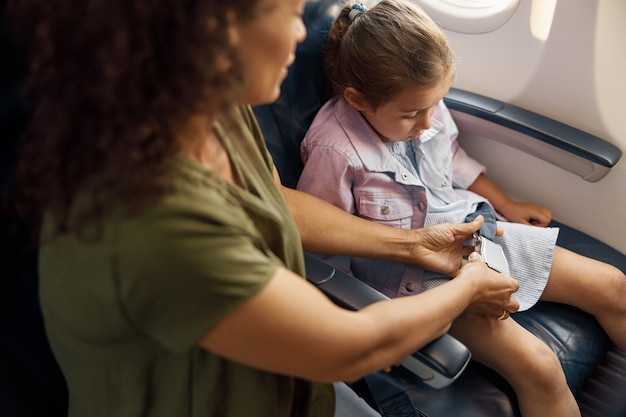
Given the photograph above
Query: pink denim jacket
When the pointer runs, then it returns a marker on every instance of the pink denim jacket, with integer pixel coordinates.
(346, 164)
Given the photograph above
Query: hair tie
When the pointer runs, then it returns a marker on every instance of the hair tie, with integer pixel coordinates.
(357, 9)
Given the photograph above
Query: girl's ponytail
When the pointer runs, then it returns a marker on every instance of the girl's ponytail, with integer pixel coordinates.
(333, 47)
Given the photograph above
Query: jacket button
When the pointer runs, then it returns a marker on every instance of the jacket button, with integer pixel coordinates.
(385, 209)
(421, 206)
(410, 286)
(404, 176)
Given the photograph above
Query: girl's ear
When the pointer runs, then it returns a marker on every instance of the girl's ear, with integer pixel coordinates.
(355, 99)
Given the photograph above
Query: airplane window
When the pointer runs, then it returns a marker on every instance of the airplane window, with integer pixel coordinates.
(472, 3)
(470, 16)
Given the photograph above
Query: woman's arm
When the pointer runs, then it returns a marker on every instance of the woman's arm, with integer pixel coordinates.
(291, 328)
(514, 211)
(326, 229)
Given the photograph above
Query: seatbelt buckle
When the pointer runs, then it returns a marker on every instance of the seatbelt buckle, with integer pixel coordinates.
(492, 254)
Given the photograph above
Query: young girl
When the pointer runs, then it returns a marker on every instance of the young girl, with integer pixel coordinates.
(385, 149)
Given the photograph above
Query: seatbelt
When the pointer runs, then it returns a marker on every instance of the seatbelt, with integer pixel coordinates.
(391, 398)
(488, 229)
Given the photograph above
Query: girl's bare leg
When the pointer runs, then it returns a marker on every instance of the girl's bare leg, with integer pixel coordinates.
(595, 287)
(527, 363)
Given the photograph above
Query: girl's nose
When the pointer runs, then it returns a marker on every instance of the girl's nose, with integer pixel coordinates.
(424, 122)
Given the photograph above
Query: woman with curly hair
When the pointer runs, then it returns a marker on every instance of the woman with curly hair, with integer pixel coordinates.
(171, 256)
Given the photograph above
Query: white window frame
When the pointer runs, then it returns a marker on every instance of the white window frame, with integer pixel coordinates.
(470, 16)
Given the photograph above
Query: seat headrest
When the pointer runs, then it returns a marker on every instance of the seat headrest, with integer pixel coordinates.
(285, 122)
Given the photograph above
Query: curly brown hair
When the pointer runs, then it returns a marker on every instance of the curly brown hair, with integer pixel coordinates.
(111, 83)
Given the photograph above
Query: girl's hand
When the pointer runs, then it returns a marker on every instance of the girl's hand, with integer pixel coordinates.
(526, 213)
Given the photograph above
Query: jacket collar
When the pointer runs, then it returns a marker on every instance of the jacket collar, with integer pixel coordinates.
(371, 150)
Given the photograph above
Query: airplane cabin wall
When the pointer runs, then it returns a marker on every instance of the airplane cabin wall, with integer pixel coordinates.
(571, 68)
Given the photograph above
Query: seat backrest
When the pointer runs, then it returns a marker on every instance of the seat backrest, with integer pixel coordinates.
(31, 383)
(285, 122)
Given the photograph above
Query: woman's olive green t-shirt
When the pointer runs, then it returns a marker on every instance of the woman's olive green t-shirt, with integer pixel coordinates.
(124, 312)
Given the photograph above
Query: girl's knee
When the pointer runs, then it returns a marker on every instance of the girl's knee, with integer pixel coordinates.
(616, 289)
(543, 370)
(606, 293)
(611, 314)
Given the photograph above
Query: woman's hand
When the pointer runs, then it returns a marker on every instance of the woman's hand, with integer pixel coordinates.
(440, 247)
(494, 298)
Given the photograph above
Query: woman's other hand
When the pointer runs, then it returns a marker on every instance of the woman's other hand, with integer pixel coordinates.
(494, 298)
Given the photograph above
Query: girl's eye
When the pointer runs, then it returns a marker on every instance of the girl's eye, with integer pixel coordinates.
(411, 117)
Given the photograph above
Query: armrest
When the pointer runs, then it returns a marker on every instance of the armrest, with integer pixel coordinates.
(438, 363)
(576, 151)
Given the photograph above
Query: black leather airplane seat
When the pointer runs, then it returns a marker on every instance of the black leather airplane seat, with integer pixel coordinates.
(595, 370)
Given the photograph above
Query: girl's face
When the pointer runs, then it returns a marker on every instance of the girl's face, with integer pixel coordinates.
(267, 47)
(408, 114)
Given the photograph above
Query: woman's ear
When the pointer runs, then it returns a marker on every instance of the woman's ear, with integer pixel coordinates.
(355, 99)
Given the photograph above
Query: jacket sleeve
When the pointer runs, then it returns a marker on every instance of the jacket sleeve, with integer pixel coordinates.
(465, 169)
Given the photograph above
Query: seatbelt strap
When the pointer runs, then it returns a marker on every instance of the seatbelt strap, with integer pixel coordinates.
(392, 399)
(488, 229)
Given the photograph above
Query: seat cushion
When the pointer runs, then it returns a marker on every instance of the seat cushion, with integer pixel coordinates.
(575, 336)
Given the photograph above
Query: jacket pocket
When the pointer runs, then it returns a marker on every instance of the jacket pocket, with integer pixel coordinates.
(386, 208)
